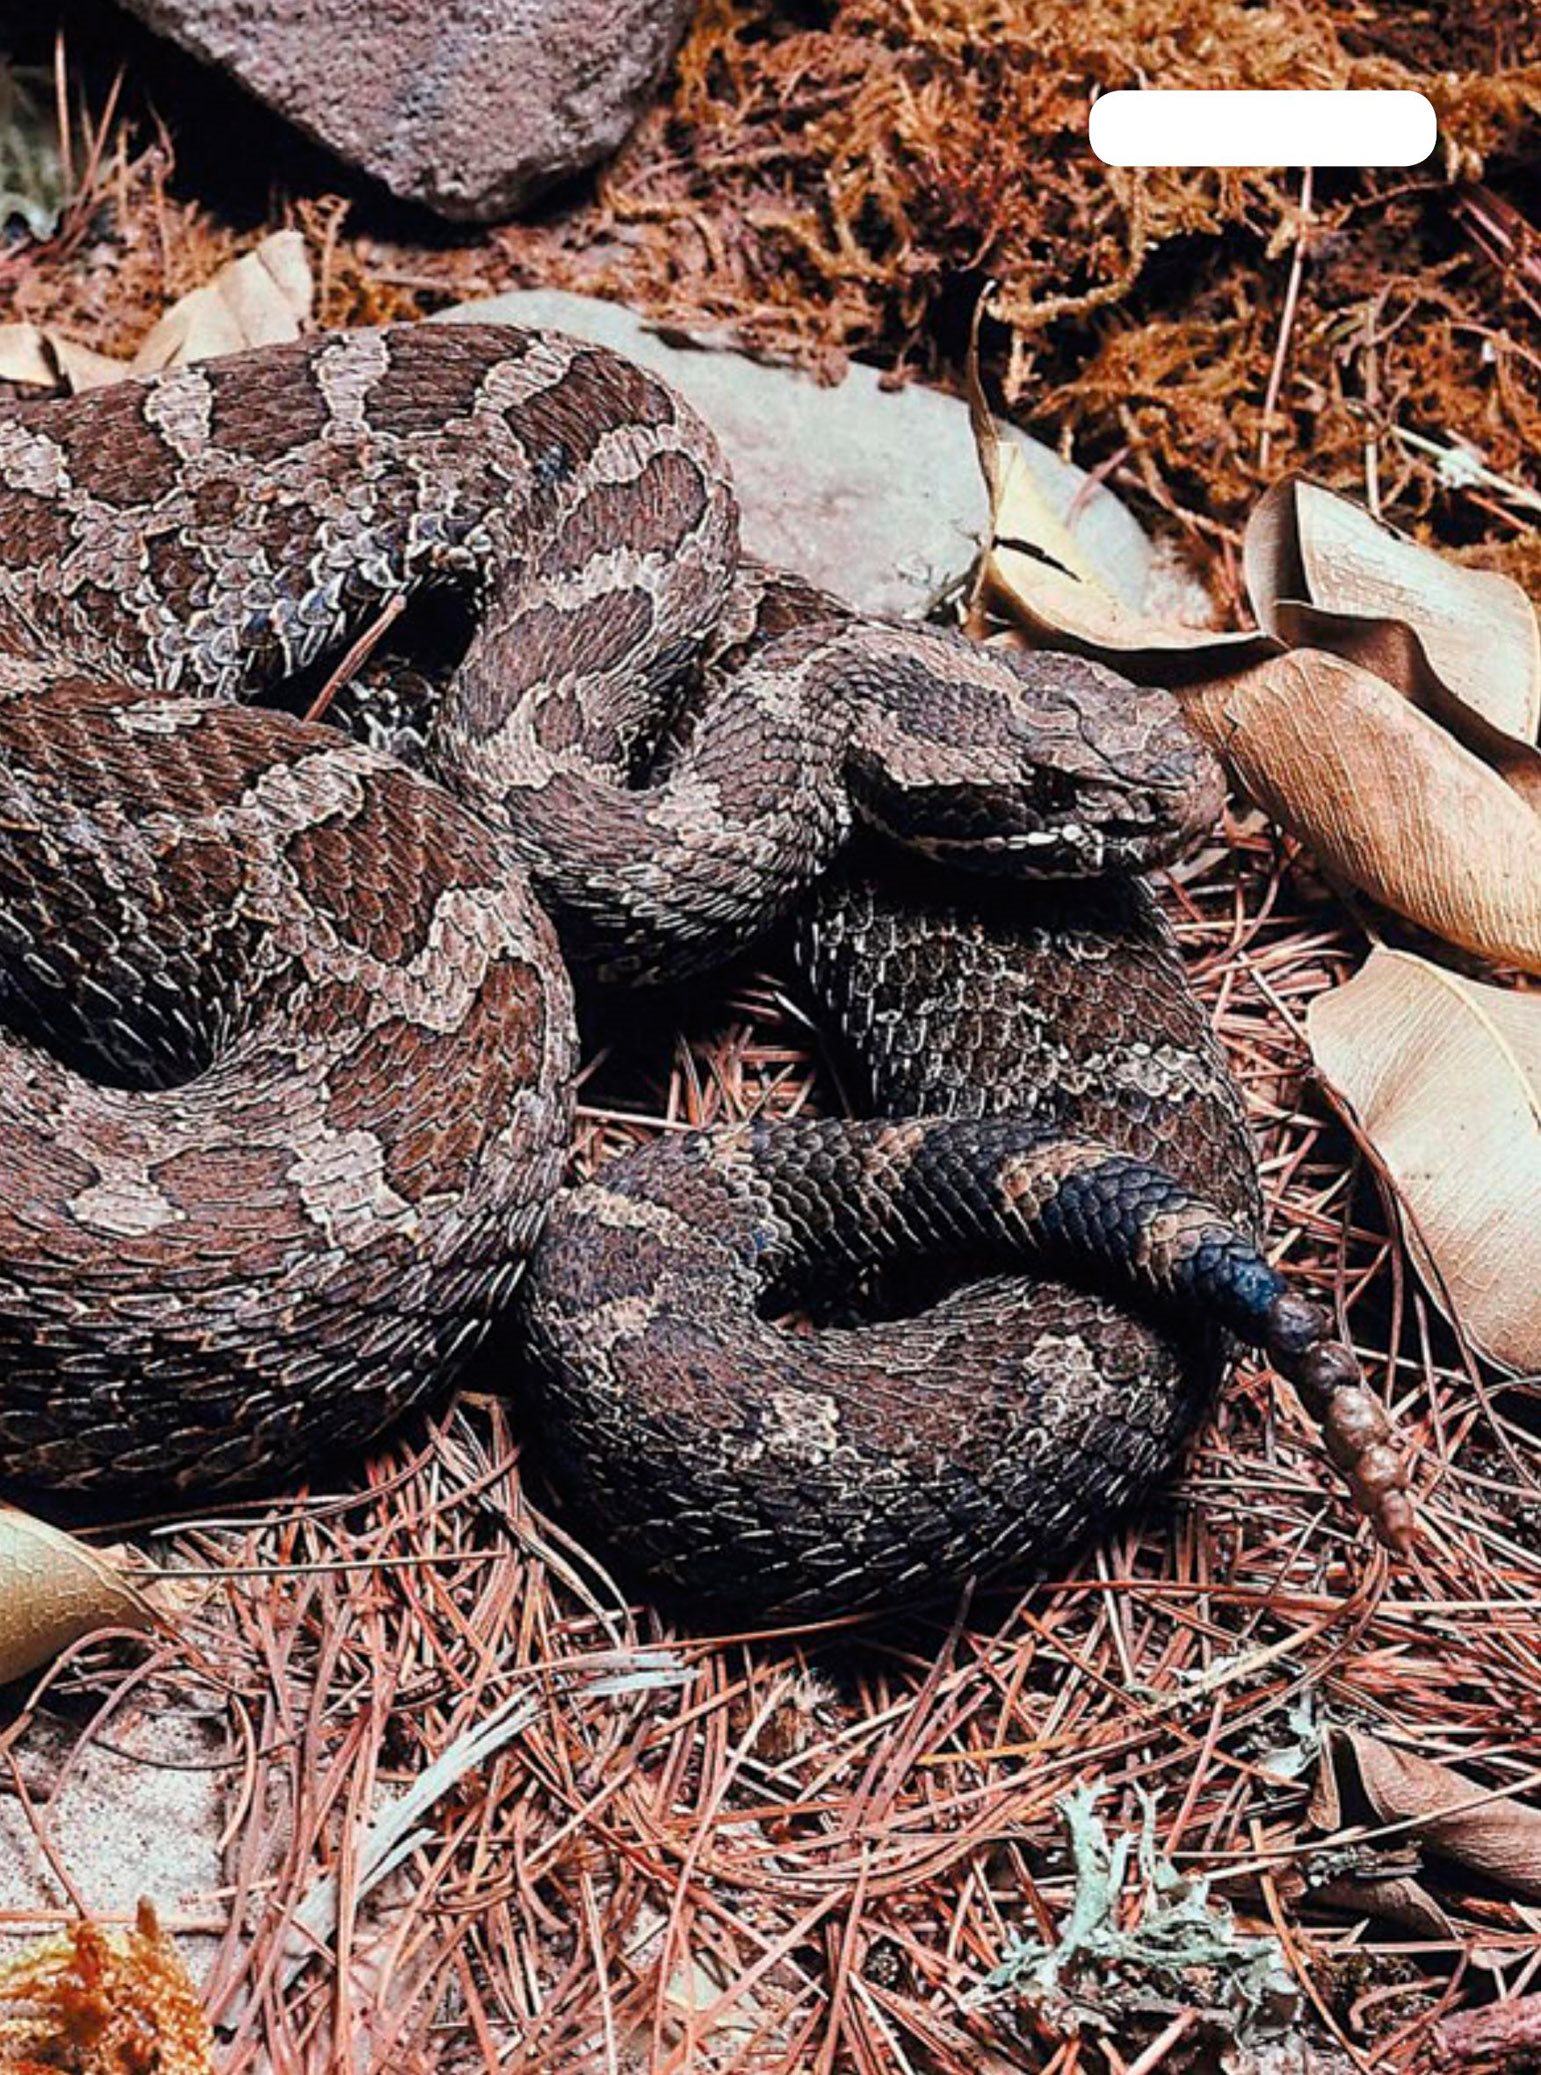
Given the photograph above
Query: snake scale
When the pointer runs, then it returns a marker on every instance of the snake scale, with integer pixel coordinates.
(288, 1054)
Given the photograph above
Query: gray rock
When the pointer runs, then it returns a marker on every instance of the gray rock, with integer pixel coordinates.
(873, 493)
(469, 106)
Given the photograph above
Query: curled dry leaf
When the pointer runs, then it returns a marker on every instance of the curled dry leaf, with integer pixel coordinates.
(25, 358)
(1464, 644)
(53, 1590)
(261, 299)
(1034, 573)
(1022, 522)
(1380, 1889)
(1477, 630)
(80, 368)
(1059, 609)
(1363, 1780)
(40, 358)
(1443, 1075)
(1385, 710)
(1384, 796)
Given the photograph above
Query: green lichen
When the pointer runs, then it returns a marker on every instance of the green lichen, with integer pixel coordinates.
(1182, 1951)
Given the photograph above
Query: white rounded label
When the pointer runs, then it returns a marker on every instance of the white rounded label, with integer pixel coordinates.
(1221, 128)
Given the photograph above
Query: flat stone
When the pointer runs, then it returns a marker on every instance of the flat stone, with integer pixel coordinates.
(468, 106)
(873, 493)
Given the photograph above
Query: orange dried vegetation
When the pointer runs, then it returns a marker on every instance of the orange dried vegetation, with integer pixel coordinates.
(92, 2001)
(848, 182)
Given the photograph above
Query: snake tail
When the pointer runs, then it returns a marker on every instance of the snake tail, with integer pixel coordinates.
(889, 1454)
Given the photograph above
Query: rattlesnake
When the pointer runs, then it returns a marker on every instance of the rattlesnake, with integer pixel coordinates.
(289, 1062)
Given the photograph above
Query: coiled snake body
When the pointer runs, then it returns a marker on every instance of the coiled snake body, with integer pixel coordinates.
(288, 1065)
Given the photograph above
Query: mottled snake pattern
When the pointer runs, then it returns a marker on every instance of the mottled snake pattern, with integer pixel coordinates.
(288, 1054)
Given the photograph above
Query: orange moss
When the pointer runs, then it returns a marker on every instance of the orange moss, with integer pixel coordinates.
(843, 177)
(853, 186)
(97, 2002)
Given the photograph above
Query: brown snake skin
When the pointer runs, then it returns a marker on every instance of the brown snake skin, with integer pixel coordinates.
(1051, 1077)
(287, 1069)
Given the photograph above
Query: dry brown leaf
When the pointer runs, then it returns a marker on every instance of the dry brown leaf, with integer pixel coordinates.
(1477, 630)
(1444, 1077)
(1363, 1780)
(1034, 572)
(1464, 644)
(81, 368)
(1396, 1898)
(24, 356)
(44, 358)
(1385, 710)
(53, 1590)
(1385, 797)
(1058, 609)
(261, 299)
(1019, 511)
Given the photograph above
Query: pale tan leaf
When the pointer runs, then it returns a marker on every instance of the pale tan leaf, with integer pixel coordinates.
(24, 356)
(1060, 610)
(1024, 526)
(1518, 1020)
(82, 368)
(44, 358)
(1022, 517)
(1364, 1780)
(1444, 1077)
(54, 1590)
(1035, 573)
(1478, 629)
(1393, 652)
(261, 299)
(1463, 643)
(1380, 711)
(1384, 796)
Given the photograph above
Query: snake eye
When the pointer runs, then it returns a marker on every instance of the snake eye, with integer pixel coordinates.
(1021, 765)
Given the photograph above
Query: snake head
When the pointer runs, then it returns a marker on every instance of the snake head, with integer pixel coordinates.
(1031, 765)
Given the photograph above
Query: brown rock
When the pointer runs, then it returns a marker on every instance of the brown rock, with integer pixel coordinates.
(469, 106)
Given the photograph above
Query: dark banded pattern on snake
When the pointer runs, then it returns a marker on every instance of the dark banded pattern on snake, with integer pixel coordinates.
(999, 1420)
(290, 1054)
